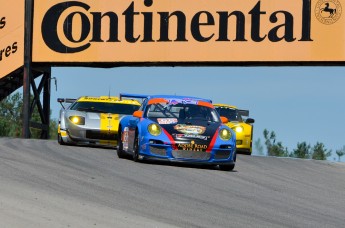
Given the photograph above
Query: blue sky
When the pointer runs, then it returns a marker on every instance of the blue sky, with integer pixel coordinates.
(298, 103)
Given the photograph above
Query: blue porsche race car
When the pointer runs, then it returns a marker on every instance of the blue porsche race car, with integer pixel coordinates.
(177, 128)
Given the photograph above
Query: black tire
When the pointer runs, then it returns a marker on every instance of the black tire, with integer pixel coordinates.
(120, 152)
(60, 141)
(136, 149)
(227, 167)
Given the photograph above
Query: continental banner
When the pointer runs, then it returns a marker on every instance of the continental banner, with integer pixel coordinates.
(189, 31)
(11, 36)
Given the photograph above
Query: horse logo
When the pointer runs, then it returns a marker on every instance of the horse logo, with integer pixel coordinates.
(328, 11)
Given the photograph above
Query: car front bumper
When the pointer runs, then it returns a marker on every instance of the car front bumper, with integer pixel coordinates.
(217, 156)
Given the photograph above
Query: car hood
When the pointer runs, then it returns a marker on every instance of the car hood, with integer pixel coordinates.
(192, 136)
(92, 115)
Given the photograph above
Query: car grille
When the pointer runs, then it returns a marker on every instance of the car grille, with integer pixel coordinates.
(200, 155)
(101, 135)
(158, 151)
(222, 154)
(238, 142)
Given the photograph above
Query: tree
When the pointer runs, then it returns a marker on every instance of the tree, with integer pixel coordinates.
(269, 139)
(319, 152)
(53, 129)
(302, 151)
(273, 148)
(258, 147)
(340, 153)
(10, 115)
(11, 109)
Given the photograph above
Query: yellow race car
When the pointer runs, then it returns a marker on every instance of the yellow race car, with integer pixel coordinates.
(92, 120)
(242, 126)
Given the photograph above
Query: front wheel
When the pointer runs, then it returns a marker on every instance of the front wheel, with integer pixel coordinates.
(136, 149)
(60, 140)
(227, 167)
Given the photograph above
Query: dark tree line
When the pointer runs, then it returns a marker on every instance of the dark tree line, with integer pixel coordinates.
(303, 149)
(11, 113)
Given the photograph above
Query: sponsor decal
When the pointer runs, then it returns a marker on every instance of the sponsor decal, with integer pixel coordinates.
(189, 101)
(88, 31)
(190, 129)
(173, 102)
(328, 11)
(9, 50)
(167, 120)
(106, 99)
(192, 136)
(182, 101)
(58, 16)
(11, 36)
(2, 22)
(191, 146)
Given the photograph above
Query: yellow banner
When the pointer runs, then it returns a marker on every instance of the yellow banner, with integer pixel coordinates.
(11, 36)
(189, 31)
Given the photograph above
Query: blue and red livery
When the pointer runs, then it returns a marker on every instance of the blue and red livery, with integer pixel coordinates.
(179, 129)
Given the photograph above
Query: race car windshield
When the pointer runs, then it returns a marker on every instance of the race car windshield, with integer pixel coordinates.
(231, 114)
(125, 109)
(182, 112)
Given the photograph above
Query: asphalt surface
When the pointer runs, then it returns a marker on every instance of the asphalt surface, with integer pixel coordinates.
(43, 184)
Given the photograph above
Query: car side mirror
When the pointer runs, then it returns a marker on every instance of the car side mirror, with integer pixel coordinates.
(250, 120)
(224, 119)
(138, 114)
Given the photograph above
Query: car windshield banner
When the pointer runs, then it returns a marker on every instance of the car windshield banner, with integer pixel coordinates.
(189, 31)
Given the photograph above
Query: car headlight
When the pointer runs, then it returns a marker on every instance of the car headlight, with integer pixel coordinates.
(79, 120)
(154, 129)
(238, 129)
(225, 134)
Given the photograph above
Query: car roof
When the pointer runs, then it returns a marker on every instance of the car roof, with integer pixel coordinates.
(106, 99)
(179, 97)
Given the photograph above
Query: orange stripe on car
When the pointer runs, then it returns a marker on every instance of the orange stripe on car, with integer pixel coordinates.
(157, 100)
(206, 104)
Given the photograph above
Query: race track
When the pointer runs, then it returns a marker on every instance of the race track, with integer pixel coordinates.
(43, 184)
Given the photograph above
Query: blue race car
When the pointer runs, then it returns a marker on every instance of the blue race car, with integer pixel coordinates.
(177, 128)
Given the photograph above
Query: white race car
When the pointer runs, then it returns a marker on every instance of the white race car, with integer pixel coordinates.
(92, 120)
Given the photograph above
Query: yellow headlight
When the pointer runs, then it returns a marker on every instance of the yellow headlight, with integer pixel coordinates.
(79, 120)
(239, 129)
(75, 119)
(225, 134)
(154, 129)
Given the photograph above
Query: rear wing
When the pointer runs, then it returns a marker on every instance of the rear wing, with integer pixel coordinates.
(66, 100)
(245, 116)
(131, 95)
(243, 112)
(139, 97)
